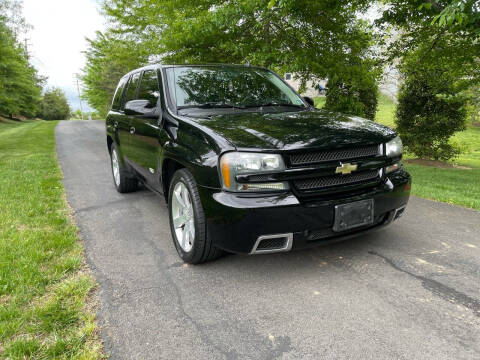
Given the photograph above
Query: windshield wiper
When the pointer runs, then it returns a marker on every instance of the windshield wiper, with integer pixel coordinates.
(211, 105)
(278, 104)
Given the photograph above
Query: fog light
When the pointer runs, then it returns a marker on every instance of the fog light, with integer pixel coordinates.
(263, 186)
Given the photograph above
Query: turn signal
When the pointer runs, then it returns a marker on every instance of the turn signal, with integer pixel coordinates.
(225, 172)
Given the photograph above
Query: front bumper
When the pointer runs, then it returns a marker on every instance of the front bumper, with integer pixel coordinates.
(236, 221)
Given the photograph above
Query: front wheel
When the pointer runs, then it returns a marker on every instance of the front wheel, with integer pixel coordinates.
(187, 220)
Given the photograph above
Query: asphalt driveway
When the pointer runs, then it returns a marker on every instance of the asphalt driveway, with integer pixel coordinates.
(411, 291)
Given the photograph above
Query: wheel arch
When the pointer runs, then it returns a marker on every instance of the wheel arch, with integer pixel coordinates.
(169, 167)
(109, 143)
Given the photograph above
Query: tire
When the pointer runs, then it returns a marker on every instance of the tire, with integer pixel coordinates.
(196, 247)
(124, 182)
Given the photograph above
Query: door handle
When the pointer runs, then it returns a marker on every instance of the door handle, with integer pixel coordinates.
(132, 130)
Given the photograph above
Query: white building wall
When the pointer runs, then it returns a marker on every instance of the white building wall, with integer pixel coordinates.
(311, 89)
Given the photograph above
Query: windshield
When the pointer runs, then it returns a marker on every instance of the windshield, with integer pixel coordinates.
(228, 86)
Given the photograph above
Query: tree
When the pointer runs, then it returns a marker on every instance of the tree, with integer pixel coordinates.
(55, 105)
(459, 15)
(431, 106)
(11, 14)
(314, 39)
(20, 86)
(439, 48)
(351, 92)
(447, 28)
(108, 58)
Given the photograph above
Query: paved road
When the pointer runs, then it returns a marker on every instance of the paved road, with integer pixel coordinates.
(411, 291)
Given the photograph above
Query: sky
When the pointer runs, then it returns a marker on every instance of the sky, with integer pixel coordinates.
(58, 37)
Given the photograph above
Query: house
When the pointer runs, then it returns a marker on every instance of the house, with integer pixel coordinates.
(312, 90)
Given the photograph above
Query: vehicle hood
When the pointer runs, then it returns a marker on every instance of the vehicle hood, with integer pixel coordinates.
(320, 129)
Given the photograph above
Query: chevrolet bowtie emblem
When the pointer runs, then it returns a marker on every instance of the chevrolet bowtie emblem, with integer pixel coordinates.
(345, 169)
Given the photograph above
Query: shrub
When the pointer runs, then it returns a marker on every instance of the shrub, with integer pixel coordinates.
(431, 108)
(54, 105)
(353, 94)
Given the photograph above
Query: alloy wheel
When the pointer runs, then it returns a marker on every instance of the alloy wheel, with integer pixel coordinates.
(115, 167)
(183, 216)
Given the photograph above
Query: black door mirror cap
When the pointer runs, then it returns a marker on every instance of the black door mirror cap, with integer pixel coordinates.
(142, 108)
(309, 100)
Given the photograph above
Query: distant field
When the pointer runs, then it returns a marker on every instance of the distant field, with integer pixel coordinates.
(46, 310)
(451, 185)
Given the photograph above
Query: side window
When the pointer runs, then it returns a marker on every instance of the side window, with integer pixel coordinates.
(149, 88)
(132, 88)
(118, 94)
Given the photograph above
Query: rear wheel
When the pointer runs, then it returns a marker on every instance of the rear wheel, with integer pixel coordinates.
(187, 220)
(124, 182)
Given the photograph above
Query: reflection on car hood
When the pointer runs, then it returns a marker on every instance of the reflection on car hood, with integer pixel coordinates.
(320, 129)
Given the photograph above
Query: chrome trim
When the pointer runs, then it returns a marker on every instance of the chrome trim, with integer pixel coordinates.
(396, 211)
(287, 247)
(380, 149)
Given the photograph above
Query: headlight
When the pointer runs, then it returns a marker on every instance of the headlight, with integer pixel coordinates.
(240, 163)
(394, 147)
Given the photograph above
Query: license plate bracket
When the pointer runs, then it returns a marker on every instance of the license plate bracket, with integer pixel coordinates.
(353, 215)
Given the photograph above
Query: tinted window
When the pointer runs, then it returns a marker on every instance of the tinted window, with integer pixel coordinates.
(132, 87)
(149, 88)
(118, 94)
(241, 86)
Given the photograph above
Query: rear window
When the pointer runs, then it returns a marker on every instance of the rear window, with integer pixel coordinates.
(118, 94)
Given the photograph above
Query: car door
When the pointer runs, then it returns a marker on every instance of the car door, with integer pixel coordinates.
(125, 129)
(145, 115)
(117, 115)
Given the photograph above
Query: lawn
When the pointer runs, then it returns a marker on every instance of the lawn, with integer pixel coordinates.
(470, 139)
(47, 308)
(452, 185)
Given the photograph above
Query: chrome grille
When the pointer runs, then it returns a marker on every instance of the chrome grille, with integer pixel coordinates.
(336, 180)
(334, 155)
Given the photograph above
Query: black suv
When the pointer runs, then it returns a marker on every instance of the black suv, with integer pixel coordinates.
(246, 164)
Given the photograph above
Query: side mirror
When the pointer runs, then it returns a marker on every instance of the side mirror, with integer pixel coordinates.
(309, 100)
(136, 107)
(142, 108)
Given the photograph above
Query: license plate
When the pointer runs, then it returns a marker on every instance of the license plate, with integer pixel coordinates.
(352, 215)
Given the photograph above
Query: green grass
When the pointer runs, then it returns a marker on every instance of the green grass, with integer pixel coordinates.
(320, 101)
(46, 305)
(470, 140)
(385, 112)
(452, 185)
